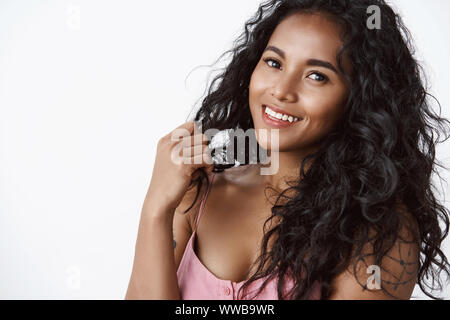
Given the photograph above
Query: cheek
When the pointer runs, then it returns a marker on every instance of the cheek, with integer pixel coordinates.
(322, 116)
(326, 108)
(321, 113)
(257, 82)
(257, 87)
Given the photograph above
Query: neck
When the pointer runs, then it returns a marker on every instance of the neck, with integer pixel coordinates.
(288, 167)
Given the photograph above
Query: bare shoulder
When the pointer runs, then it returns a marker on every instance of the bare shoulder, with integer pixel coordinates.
(394, 278)
(193, 194)
(183, 220)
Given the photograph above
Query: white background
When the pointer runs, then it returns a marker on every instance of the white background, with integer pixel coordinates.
(86, 90)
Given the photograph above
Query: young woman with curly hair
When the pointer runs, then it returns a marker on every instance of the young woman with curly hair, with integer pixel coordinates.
(350, 213)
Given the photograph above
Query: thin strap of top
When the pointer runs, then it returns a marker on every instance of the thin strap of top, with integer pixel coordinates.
(211, 178)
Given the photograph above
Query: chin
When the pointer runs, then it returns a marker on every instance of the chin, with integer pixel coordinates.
(266, 143)
(263, 140)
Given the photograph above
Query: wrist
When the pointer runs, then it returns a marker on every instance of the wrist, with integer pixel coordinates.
(157, 213)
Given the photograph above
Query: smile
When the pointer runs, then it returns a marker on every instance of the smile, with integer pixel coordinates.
(277, 119)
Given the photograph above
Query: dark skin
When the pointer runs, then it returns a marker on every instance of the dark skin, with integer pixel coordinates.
(284, 78)
(231, 227)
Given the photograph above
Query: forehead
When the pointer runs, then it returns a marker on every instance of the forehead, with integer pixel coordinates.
(304, 36)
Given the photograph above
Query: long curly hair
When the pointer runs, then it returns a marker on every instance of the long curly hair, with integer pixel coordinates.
(380, 154)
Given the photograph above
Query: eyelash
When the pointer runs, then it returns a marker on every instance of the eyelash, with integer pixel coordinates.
(315, 72)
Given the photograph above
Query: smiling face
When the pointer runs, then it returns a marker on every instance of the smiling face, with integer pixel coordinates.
(297, 75)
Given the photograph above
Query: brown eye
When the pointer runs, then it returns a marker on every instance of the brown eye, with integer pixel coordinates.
(321, 77)
(268, 60)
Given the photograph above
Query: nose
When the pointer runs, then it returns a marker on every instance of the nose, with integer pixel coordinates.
(285, 89)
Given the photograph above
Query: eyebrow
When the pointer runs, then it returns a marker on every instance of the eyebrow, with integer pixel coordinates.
(309, 62)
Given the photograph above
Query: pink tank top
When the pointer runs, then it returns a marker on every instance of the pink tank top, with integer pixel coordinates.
(196, 282)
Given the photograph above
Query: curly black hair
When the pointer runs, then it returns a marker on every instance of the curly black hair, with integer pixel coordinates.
(379, 158)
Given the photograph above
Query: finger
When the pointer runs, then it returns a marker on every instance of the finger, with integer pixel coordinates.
(198, 131)
(192, 151)
(187, 125)
(197, 139)
(199, 160)
(196, 128)
(184, 130)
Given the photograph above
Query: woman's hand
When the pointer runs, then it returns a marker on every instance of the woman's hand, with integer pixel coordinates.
(180, 156)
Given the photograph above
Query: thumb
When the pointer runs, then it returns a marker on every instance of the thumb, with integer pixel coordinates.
(197, 127)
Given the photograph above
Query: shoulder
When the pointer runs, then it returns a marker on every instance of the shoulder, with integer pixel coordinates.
(394, 277)
(195, 194)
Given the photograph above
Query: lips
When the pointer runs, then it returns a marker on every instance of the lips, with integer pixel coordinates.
(279, 110)
(276, 123)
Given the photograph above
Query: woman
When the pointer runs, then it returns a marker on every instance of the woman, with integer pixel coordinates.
(349, 214)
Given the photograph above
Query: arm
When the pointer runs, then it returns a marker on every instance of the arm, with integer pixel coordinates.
(180, 155)
(154, 277)
(154, 274)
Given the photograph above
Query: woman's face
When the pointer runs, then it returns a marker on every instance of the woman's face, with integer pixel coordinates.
(297, 75)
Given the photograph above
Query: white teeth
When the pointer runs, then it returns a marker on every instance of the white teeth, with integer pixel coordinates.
(281, 116)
